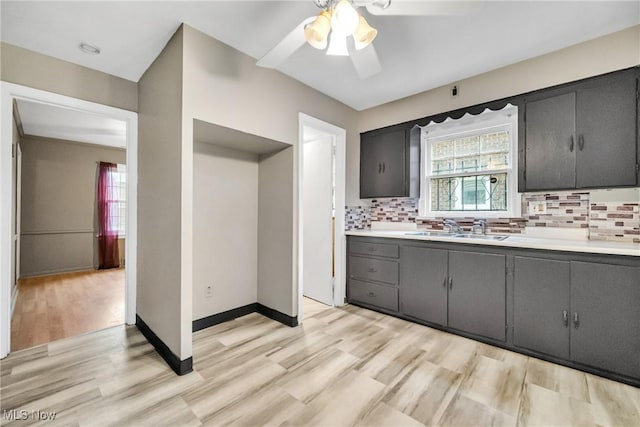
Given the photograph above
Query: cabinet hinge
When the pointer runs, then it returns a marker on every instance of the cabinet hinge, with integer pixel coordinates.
(637, 168)
(13, 151)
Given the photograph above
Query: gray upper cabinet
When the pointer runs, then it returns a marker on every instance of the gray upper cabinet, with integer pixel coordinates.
(477, 294)
(550, 152)
(606, 118)
(389, 159)
(423, 289)
(583, 135)
(542, 308)
(605, 306)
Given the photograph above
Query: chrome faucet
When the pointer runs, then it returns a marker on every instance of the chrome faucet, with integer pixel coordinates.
(480, 225)
(452, 226)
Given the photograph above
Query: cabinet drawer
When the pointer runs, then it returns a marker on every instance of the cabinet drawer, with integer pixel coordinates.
(378, 270)
(376, 249)
(372, 294)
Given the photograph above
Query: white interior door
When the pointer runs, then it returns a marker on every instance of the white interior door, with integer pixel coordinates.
(317, 276)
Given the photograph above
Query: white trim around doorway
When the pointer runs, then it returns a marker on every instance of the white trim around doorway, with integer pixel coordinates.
(9, 92)
(340, 137)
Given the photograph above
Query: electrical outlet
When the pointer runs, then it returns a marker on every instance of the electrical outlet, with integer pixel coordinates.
(537, 208)
(209, 291)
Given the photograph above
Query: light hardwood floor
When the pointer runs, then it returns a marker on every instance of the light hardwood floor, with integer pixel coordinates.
(53, 307)
(345, 366)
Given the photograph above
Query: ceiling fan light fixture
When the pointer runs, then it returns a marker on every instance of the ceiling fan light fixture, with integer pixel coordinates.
(337, 44)
(345, 17)
(364, 34)
(316, 33)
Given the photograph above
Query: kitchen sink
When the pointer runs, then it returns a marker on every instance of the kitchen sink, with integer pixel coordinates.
(480, 236)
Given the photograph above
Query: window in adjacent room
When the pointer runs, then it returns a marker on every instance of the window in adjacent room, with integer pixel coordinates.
(469, 166)
(118, 213)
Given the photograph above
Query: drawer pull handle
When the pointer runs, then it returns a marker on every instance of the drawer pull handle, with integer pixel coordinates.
(371, 294)
(450, 283)
(444, 283)
(373, 249)
(576, 320)
(372, 270)
(565, 317)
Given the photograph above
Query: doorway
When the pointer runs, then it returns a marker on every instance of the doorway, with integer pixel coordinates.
(321, 213)
(9, 184)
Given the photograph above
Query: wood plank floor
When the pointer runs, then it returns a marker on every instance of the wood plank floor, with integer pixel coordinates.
(50, 308)
(344, 367)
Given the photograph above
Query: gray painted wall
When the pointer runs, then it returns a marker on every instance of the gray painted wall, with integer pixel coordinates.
(225, 223)
(159, 282)
(58, 204)
(277, 287)
(32, 69)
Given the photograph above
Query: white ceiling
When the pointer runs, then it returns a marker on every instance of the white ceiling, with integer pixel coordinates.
(417, 53)
(72, 125)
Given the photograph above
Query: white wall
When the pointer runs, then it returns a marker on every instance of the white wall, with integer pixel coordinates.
(225, 223)
(163, 300)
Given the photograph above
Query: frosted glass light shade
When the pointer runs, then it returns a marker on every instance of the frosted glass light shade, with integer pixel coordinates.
(364, 34)
(337, 44)
(345, 18)
(316, 33)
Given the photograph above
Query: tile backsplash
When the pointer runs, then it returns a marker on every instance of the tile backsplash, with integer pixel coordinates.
(615, 221)
(563, 209)
(605, 220)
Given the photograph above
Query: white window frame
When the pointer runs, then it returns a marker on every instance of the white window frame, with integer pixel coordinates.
(469, 125)
(122, 171)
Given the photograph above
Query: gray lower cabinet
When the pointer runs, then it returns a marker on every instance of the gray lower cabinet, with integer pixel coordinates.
(477, 294)
(423, 278)
(585, 312)
(605, 306)
(581, 309)
(373, 274)
(461, 290)
(542, 305)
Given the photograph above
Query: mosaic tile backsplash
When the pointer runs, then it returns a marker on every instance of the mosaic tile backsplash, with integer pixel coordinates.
(615, 221)
(605, 221)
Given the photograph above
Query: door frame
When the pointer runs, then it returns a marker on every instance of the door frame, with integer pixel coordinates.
(9, 93)
(339, 136)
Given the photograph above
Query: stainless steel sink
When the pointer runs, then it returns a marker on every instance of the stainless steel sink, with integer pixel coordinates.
(480, 236)
(430, 233)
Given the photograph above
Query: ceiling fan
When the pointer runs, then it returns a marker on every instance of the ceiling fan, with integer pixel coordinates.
(340, 19)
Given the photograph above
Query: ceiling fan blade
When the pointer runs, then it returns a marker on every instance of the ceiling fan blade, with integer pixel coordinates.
(366, 61)
(287, 46)
(425, 7)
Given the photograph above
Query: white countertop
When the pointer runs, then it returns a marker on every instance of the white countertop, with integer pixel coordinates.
(518, 241)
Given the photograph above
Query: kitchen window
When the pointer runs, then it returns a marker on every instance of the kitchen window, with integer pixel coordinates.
(469, 166)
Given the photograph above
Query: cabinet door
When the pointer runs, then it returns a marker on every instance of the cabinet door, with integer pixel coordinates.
(423, 284)
(383, 169)
(605, 305)
(370, 165)
(550, 143)
(606, 132)
(477, 301)
(541, 305)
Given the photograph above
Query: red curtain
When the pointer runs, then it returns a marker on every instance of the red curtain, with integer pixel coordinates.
(107, 232)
